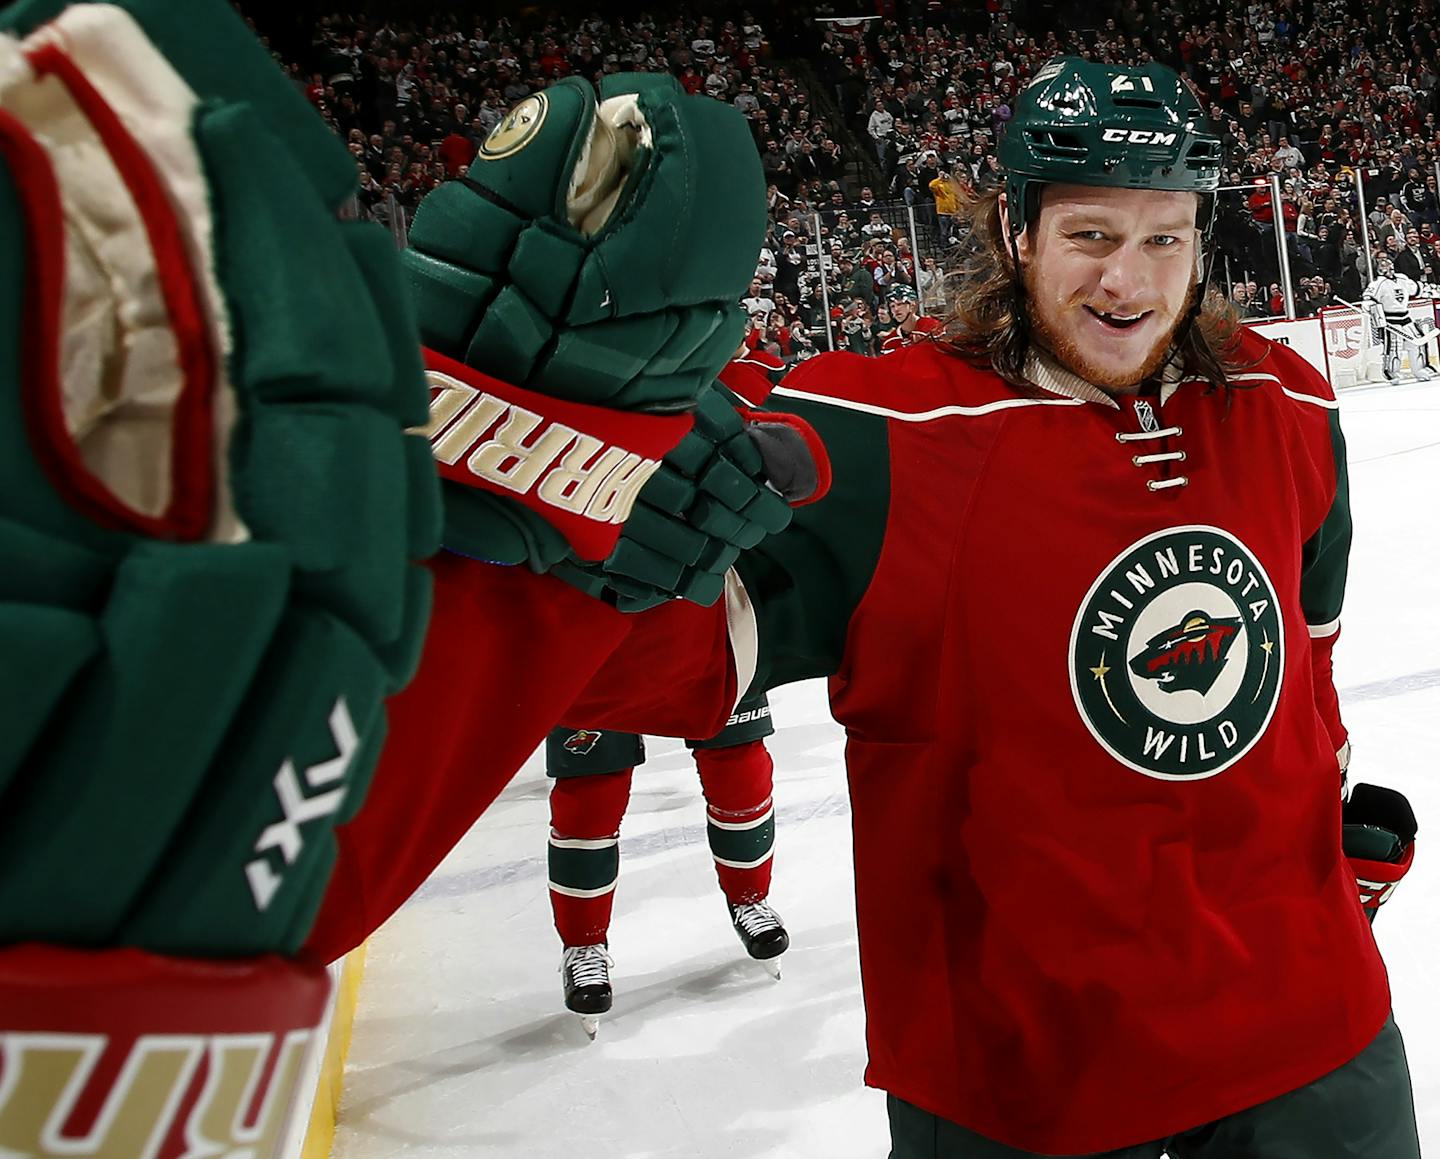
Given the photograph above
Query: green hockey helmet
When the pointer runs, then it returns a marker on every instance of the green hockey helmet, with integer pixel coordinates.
(901, 293)
(1085, 123)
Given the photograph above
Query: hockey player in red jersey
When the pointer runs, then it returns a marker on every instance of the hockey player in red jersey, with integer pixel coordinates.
(592, 770)
(910, 325)
(1076, 587)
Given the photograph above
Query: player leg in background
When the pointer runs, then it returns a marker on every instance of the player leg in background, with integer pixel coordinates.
(592, 772)
(1392, 353)
(736, 774)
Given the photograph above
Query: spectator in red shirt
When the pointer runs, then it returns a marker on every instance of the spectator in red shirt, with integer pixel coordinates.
(456, 152)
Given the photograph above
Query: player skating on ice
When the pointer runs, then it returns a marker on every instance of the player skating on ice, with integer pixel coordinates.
(1387, 299)
(592, 771)
(910, 325)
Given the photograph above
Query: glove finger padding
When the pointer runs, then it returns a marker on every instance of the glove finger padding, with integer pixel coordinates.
(728, 484)
(1378, 839)
(596, 253)
(208, 489)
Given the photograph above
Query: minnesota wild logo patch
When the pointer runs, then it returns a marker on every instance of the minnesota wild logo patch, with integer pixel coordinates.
(582, 742)
(1176, 654)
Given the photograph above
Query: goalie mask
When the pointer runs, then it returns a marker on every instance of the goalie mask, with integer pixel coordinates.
(1384, 267)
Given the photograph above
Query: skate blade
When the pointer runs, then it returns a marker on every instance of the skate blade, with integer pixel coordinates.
(590, 1024)
(772, 967)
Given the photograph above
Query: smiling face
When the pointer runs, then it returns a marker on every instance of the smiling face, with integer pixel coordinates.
(1109, 274)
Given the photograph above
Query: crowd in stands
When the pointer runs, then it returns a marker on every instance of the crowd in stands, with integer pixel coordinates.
(1311, 90)
(861, 119)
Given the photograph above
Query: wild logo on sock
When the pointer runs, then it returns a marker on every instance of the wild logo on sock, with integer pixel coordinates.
(582, 741)
(1176, 654)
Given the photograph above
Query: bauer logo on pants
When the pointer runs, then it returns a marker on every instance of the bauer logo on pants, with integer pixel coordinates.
(1176, 654)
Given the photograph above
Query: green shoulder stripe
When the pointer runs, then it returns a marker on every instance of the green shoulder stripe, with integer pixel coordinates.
(1326, 555)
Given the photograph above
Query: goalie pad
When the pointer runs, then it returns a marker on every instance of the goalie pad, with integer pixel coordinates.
(1378, 838)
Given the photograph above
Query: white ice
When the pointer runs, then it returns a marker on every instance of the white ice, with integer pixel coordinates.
(462, 1047)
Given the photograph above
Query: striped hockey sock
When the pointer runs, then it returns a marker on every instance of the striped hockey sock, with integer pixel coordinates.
(584, 854)
(740, 818)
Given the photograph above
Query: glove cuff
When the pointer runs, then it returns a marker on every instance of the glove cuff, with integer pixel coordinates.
(121, 1052)
(573, 467)
(1376, 880)
(1378, 838)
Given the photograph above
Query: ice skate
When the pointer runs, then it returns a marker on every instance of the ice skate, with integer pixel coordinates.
(762, 931)
(585, 971)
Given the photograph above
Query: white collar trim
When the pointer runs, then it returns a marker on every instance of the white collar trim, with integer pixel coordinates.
(1044, 371)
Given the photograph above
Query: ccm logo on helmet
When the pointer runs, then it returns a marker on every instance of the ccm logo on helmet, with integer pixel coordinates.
(1140, 136)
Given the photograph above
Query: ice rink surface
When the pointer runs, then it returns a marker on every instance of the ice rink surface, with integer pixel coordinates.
(463, 1048)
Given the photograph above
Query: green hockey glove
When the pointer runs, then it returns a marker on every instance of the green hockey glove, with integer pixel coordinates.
(208, 508)
(1378, 839)
(208, 502)
(594, 254)
(732, 481)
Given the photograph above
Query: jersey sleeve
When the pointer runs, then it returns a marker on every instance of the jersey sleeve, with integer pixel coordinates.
(806, 583)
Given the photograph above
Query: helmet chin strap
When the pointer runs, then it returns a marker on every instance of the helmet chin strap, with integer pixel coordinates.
(1017, 284)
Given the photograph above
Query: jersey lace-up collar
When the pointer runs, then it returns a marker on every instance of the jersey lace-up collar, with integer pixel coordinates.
(1044, 371)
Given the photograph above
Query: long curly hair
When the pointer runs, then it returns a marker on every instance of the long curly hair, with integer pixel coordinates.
(982, 326)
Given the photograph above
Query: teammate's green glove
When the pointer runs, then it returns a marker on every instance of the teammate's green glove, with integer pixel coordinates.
(594, 253)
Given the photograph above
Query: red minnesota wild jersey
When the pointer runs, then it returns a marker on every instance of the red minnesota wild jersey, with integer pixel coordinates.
(1082, 654)
(897, 339)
